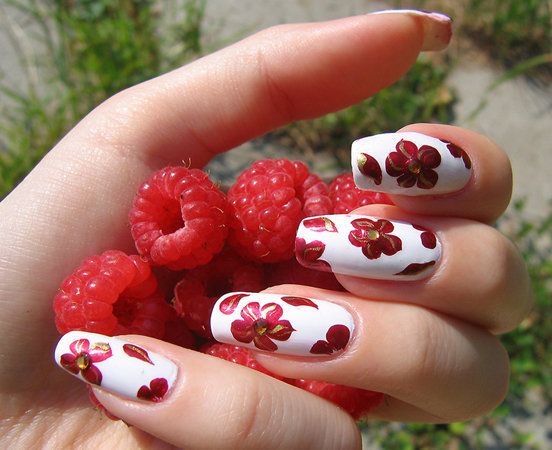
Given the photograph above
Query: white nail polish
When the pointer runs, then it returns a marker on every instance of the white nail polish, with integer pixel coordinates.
(281, 323)
(115, 365)
(410, 164)
(368, 247)
(437, 27)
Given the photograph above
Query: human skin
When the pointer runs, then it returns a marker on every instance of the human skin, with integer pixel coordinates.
(429, 345)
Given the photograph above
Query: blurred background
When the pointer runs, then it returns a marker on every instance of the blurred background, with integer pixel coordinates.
(60, 58)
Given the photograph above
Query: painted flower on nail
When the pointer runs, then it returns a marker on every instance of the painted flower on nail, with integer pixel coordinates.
(427, 237)
(337, 338)
(156, 391)
(458, 152)
(82, 359)
(374, 237)
(368, 166)
(308, 254)
(320, 224)
(261, 326)
(412, 165)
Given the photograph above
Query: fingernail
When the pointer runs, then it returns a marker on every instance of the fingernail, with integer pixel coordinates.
(282, 324)
(410, 164)
(116, 365)
(437, 27)
(367, 247)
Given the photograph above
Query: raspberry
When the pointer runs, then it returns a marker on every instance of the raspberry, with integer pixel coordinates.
(267, 202)
(357, 402)
(346, 196)
(177, 333)
(178, 218)
(199, 289)
(111, 293)
(238, 355)
(291, 272)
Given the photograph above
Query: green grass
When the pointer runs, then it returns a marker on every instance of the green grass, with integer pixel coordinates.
(512, 31)
(88, 50)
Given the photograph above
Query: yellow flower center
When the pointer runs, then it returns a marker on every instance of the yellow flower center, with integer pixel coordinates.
(373, 235)
(83, 361)
(414, 166)
(260, 326)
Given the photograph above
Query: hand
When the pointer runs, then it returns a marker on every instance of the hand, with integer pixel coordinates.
(429, 345)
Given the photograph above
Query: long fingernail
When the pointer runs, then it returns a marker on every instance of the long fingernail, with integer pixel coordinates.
(367, 247)
(437, 27)
(410, 164)
(281, 323)
(115, 365)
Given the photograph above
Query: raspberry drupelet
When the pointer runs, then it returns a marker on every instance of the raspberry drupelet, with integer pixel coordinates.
(178, 218)
(111, 294)
(347, 197)
(267, 202)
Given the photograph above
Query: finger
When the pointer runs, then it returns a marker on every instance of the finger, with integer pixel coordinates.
(192, 400)
(436, 170)
(455, 266)
(447, 368)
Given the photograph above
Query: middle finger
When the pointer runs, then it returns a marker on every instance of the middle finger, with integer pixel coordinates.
(459, 267)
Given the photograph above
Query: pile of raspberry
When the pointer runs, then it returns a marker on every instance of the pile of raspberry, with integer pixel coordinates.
(194, 243)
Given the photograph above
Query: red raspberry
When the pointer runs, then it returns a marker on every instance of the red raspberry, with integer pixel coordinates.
(291, 272)
(267, 202)
(177, 333)
(111, 294)
(346, 196)
(357, 402)
(178, 218)
(238, 355)
(198, 291)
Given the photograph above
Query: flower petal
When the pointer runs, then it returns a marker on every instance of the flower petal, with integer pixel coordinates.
(137, 352)
(99, 351)
(264, 343)
(242, 331)
(93, 375)
(427, 179)
(281, 331)
(384, 226)
(79, 346)
(338, 336)
(395, 164)
(272, 313)
(251, 312)
(320, 224)
(230, 303)
(389, 244)
(415, 268)
(406, 180)
(369, 167)
(69, 362)
(371, 250)
(299, 301)
(407, 148)
(429, 157)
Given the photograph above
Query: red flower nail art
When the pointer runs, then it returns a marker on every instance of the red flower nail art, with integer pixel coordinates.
(155, 392)
(374, 238)
(369, 167)
(412, 165)
(230, 303)
(82, 359)
(428, 238)
(337, 338)
(261, 326)
(458, 152)
(308, 254)
(416, 268)
(320, 224)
